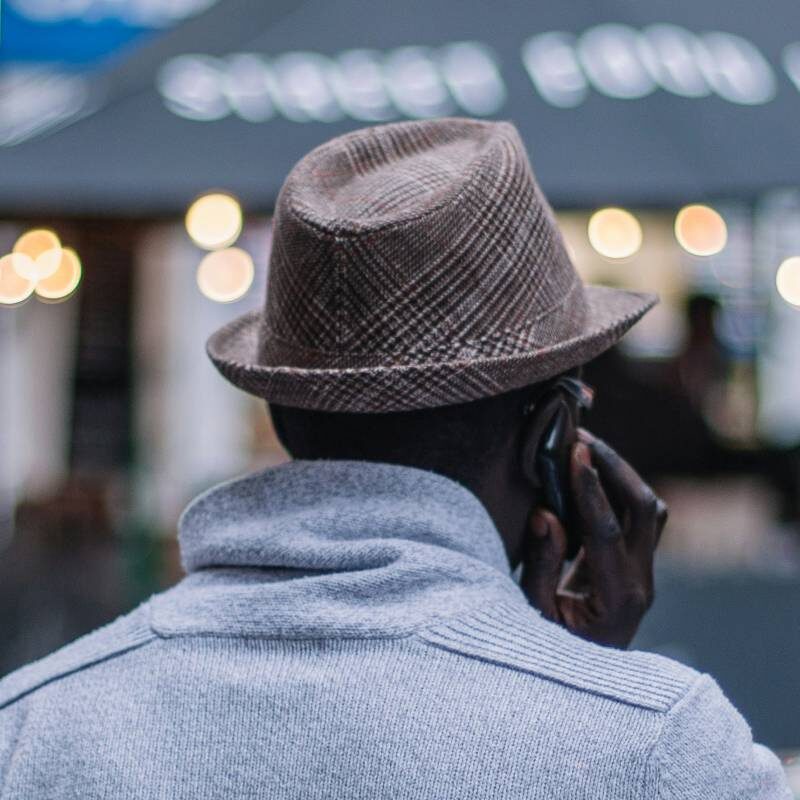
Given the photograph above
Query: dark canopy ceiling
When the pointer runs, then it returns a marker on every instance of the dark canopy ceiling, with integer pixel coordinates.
(651, 103)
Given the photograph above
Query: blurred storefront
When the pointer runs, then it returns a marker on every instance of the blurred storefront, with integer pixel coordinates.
(665, 137)
(656, 104)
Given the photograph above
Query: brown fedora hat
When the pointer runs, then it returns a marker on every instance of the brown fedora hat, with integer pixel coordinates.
(413, 265)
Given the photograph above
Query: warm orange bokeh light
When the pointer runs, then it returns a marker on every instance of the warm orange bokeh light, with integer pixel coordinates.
(700, 230)
(13, 287)
(615, 233)
(225, 275)
(63, 282)
(214, 220)
(43, 250)
(787, 280)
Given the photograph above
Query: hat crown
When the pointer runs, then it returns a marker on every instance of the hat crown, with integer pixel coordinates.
(386, 175)
(416, 241)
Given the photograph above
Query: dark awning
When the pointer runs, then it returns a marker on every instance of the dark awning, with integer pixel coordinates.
(656, 103)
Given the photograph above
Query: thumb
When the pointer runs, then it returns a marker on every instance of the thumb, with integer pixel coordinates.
(543, 561)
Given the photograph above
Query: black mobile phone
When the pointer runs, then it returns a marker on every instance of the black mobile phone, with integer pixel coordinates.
(552, 460)
(558, 417)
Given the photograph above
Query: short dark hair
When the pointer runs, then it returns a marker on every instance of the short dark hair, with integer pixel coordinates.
(453, 438)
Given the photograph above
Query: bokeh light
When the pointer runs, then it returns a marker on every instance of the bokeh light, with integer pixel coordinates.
(615, 233)
(225, 275)
(787, 280)
(214, 221)
(63, 282)
(42, 251)
(14, 288)
(34, 243)
(700, 230)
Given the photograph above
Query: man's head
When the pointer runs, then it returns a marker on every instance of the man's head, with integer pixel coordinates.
(419, 298)
(419, 290)
(417, 265)
(478, 444)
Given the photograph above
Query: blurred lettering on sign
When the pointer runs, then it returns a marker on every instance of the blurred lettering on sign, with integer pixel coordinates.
(362, 84)
(614, 60)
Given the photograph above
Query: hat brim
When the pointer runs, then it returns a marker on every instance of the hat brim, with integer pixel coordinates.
(233, 349)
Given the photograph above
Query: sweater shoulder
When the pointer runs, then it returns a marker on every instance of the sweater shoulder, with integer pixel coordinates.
(516, 636)
(120, 636)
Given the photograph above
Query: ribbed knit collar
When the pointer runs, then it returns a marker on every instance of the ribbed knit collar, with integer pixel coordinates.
(339, 548)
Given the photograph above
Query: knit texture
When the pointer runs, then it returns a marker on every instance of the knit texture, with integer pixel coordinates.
(350, 630)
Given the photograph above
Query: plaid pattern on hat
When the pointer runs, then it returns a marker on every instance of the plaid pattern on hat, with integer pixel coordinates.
(413, 265)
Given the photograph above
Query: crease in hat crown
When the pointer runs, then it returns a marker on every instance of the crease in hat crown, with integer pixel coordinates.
(304, 181)
(417, 264)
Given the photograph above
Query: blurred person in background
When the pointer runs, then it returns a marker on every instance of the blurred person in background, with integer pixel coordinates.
(388, 614)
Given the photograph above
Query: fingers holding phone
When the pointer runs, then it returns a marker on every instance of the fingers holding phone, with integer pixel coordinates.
(609, 586)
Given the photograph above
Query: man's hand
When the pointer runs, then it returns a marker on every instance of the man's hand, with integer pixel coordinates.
(609, 587)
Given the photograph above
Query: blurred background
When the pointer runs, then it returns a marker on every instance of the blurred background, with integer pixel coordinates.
(142, 146)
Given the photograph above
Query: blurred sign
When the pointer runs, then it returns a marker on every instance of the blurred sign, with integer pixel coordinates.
(143, 13)
(613, 60)
(412, 82)
(84, 32)
(48, 46)
(682, 101)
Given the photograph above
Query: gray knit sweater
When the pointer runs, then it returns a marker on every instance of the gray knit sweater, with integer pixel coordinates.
(350, 630)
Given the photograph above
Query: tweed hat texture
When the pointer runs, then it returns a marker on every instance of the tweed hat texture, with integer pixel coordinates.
(413, 265)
